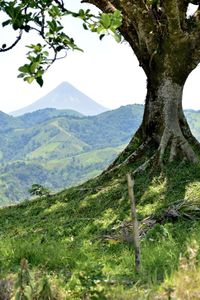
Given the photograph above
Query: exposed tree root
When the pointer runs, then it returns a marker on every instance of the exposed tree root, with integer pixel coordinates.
(132, 157)
(151, 161)
(178, 148)
(173, 143)
(138, 152)
(173, 150)
(163, 145)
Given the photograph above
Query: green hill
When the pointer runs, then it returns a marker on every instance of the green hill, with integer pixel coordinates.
(78, 241)
(47, 145)
(75, 237)
(42, 146)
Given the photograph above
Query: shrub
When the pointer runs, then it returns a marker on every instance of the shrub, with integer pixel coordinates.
(39, 190)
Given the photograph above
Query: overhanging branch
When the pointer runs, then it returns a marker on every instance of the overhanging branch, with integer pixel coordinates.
(4, 49)
(139, 26)
(104, 5)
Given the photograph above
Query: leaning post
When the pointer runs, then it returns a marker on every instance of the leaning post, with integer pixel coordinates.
(135, 227)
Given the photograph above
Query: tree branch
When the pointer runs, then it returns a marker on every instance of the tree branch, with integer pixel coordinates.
(104, 5)
(172, 12)
(4, 49)
(183, 6)
(194, 37)
(139, 27)
(61, 5)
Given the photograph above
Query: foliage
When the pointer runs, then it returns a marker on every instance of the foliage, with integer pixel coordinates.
(109, 23)
(87, 284)
(45, 18)
(29, 287)
(24, 290)
(39, 190)
(44, 290)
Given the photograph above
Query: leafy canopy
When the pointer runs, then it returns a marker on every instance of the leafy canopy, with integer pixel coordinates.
(45, 17)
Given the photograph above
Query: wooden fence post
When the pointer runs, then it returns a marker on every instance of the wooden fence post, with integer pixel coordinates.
(136, 237)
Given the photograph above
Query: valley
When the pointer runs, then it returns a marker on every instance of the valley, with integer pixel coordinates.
(63, 148)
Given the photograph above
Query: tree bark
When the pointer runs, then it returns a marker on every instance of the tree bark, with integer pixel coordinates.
(164, 122)
(164, 125)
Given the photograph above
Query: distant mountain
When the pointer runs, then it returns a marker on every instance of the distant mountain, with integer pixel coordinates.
(64, 96)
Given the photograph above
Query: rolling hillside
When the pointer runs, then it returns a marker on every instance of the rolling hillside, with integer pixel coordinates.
(42, 146)
(61, 148)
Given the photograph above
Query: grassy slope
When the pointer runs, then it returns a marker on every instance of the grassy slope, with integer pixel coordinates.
(65, 236)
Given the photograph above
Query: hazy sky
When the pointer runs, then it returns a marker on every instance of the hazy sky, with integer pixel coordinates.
(107, 72)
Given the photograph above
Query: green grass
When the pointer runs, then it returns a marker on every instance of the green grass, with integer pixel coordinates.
(64, 235)
(98, 156)
(43, 150)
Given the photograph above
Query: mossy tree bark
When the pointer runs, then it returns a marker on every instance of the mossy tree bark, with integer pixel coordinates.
(167, 45)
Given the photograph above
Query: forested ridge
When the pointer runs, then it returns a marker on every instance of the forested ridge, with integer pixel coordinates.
(47, 145)
(42, 146)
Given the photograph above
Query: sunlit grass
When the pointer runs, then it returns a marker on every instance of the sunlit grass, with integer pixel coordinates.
(65, 235)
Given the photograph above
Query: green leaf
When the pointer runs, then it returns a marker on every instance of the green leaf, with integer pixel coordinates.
(46, 53)
(53, 26)
(24, 69)
(27, 28)
(39, 81)
(29, 79)
(81, 13)
(18, 295)
(85, 26)
(101, 30)
(33, 67)
(21, 75)
(117, 37)
(28, 292)
(5, 23)
(40, 72)
(101, 36)
(38, 47)
(105, 20)
(117, 14)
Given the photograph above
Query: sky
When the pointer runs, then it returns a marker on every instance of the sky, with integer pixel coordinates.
(107, 72)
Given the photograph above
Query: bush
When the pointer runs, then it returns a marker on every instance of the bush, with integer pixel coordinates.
(39, 190)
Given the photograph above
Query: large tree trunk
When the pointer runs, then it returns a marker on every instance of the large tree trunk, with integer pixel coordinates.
(164, 126)
(163, 119)
(166, 43)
